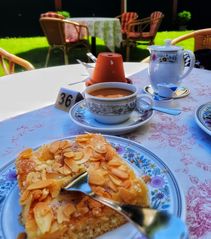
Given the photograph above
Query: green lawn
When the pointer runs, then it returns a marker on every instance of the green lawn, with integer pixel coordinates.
(34, 49)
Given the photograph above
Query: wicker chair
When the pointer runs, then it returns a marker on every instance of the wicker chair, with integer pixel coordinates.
(52, 14)
(142, 30)
(64, 35)
(8, 62)
(202, 39)
(125, 18)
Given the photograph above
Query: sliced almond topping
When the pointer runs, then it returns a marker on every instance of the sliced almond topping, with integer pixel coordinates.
(98, 155)
(69, 154)
(54, 147)
(96, 178)
(126, 184)
(114, 162)
(82, 138)
(66, 150)
(58, 157)
(64, 144)
(123, 168)
(61, 217)
(109, 153)
(82, 161)
(24, 197)
(69, 209)
(55, 188)
(119, 173)
(98, 190)
(96, 165)
(126, 195)
(45, 193)
(78, 155)
(68, 162)
(93, 159)
(84, 157)
(107, 195)
(46, 154)
(40, 184)
(112, 186)
(27, 153)
(72, 165)
(115, 180)
(100, 148)
(36, 194)
(43, 216)
(65, 170)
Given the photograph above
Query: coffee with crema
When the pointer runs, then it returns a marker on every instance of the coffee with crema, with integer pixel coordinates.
(111, 93)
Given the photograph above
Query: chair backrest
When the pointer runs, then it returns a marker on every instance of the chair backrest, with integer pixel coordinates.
(60, 32)
(53, 29)
(202, 47)
(52, 14)
(8, 62)
(127, 17)
(202, 39)
(155, 21)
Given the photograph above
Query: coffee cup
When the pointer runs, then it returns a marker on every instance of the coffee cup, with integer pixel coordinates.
(108, 68)
(167, 69)
(112, 102)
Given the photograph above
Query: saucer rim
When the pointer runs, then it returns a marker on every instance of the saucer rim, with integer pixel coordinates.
(186, 93)
(107, 129)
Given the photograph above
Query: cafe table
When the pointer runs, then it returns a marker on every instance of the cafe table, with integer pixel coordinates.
(182, 149)
(105, 28)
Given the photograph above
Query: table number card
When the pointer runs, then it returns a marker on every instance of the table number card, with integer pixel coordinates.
(67, 98)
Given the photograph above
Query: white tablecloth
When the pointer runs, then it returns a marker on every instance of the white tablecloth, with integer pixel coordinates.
(177, 140)
(107, 29)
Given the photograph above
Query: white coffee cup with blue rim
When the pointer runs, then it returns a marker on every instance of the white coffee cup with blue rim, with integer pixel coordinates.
(112, 110)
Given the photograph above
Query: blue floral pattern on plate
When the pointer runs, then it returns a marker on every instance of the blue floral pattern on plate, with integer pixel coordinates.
(164, 191)
(203, 117)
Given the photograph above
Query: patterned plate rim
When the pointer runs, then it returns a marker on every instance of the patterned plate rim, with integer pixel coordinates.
(180, 210)
(199, 120)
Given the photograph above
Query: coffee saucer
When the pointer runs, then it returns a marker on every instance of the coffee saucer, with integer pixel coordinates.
(179, 93)
(82, 117)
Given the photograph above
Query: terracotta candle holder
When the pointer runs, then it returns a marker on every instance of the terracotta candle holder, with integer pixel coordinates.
(108, 68)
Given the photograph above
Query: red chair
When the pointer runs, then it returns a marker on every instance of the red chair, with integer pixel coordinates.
(143, 30)
(125, 18)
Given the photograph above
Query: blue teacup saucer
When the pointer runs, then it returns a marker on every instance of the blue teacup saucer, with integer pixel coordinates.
(180, 92)
(82, 117)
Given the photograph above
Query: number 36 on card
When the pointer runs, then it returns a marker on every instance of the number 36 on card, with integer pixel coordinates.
(67, 98)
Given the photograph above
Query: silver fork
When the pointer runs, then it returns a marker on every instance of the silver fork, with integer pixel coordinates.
(152, 223)
(91, 56)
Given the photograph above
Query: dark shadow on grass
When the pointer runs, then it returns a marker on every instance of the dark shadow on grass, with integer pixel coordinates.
(38, 56)
(136, 53)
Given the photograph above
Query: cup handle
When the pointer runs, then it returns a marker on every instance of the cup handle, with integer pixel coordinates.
(192, 63)
(144, 102)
